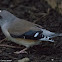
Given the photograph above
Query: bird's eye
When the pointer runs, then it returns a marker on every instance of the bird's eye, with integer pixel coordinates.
(49, 38)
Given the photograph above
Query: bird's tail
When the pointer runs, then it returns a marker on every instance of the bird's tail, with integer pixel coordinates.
(57, 35)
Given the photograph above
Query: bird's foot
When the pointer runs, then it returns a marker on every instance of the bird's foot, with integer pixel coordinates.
(22, 51)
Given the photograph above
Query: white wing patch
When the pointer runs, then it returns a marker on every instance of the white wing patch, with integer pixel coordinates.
(0, 11)
(36, 34)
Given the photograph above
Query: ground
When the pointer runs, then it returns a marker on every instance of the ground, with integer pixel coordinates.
(39, 12)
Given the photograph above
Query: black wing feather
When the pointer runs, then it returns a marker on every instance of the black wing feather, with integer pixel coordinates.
(29, 35)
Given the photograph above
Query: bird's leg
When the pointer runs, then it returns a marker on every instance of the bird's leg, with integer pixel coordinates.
(22, 51)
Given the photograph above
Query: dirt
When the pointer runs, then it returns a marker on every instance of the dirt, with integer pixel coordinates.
(39, 12)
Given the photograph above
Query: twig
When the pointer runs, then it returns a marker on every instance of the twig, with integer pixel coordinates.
(4, 45)
(2, 40)
(44, 14)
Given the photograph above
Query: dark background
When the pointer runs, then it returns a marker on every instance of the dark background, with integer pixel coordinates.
(39, 12)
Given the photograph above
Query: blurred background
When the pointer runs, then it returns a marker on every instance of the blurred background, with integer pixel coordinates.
(47, 13)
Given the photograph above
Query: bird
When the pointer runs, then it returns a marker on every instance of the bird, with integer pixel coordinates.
(23, 32)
